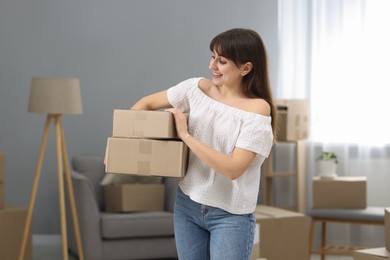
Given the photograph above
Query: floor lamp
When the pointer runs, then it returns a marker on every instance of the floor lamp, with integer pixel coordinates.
(54, 97)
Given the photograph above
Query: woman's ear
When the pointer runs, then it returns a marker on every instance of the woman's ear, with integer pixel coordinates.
(246, 68)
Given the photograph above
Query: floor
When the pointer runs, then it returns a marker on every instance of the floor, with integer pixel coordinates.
(48, 247)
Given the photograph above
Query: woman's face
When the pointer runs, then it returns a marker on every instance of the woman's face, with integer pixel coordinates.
(225, 72)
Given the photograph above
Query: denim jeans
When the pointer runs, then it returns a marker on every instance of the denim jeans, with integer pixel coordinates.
(208, 233)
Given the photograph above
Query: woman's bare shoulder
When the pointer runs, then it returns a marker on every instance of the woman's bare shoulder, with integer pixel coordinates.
(258, 106)
(205, 85)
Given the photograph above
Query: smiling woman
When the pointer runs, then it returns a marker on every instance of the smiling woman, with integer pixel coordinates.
(227, 141)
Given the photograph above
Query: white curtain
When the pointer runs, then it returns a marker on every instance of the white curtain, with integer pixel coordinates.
(336, 54)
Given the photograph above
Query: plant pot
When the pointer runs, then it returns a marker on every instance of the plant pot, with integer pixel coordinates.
(327, 168)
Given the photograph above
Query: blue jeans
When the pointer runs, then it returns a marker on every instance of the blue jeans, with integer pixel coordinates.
(204, 232)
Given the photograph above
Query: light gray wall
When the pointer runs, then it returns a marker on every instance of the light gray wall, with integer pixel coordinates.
(121, 50)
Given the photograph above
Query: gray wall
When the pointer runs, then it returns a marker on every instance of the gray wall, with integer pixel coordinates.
(121, 50)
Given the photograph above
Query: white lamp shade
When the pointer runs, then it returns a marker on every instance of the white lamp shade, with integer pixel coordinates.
(55, 96)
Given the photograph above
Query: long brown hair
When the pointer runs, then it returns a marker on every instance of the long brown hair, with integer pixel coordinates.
(245, 45)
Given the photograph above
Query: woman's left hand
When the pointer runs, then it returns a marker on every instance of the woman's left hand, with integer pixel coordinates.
(180, 121)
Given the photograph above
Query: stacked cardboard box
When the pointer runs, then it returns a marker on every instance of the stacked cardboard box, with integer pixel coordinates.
(293, 119)
(143, 124)
(344, 192)
(283, 233)
(12, 221)
(2, 167)
(143, 143)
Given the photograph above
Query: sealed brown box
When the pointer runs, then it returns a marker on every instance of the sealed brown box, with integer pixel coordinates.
(2, 204)
(387, 228)
(146, 157)
(283, 233)
(2, 166)
(371, 254)
(143, 124)
(2, 170)
(293, 119)
(12, 221)
(344, 192)
(134, 197)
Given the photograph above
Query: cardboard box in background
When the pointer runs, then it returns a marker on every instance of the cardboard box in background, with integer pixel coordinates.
(143, 124)
(149, 157)
(134, 197)
(371, 254)
(2, 170)
(387, 228)
(2, 166)
(12, 221)
(2, 195)
(293, 119)
(283, 233)
(345, 192)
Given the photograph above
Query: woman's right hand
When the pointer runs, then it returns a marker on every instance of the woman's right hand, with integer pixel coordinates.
(180, 121)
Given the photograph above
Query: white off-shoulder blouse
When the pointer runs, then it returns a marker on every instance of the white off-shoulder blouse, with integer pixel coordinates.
(223, 128)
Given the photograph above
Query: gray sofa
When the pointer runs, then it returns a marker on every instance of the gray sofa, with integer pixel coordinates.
(138, 235)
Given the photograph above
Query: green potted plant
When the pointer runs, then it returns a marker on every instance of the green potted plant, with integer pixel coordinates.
(327, 164)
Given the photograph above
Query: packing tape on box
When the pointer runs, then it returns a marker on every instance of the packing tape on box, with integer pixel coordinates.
(140, 116)
(145, 147)
(143, 167)
(138, 132)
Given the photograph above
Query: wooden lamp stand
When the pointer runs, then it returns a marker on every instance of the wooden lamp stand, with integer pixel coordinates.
(62, 163)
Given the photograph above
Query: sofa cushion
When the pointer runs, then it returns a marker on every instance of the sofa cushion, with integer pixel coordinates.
(136, 224)
(374, 214)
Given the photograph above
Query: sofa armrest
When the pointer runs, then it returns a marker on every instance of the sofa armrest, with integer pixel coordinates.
(171, 185)
(88, 217)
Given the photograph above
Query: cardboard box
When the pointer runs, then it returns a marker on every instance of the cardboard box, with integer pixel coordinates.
(2, 195)
(12, 222)
(371, 254)
(143, 124)
(387, 228)
(2, 170)
(134, 197)
(344, 192)
(2, 166)
(283, 233)
(293, 119)
(146, 157)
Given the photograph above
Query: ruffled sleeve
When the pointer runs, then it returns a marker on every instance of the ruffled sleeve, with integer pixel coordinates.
(256, 135)
(179, 95)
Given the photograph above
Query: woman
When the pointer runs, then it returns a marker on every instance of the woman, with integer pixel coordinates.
(229, 134)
